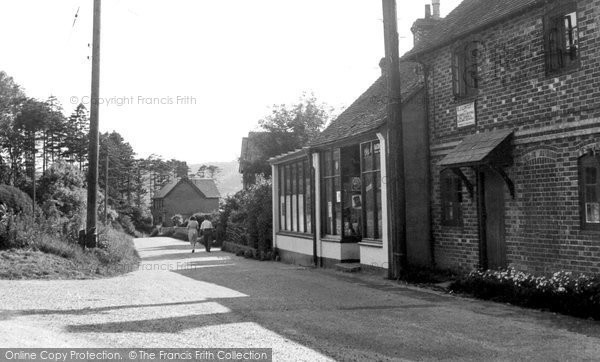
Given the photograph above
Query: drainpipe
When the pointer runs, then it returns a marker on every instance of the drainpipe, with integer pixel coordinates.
(428, 107)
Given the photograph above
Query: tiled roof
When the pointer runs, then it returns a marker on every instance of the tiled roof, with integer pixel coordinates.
(368, 112)
(475, 149)
(206, 186)
(467, 17)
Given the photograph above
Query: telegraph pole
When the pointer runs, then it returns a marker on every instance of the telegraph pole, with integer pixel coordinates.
(92, 196)
(395, 160)
(106, 191)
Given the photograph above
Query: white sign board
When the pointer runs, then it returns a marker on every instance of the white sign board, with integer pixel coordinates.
(465, 115)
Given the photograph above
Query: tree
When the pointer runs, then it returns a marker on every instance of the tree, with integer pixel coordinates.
(76, 140)
(288, 127)
(11, 97)
(208, 171)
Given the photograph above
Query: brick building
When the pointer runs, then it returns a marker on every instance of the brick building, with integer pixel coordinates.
(513, 96)
(186, 197)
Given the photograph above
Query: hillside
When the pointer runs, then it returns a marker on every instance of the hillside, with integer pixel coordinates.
(229, 180)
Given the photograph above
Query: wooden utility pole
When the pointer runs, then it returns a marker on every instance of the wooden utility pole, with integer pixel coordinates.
(106, 191)
(395, 150)
(92, 196)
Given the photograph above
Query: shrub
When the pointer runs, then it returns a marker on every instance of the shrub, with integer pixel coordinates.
(563, 292)
(177, 220)
(126, 224)
(15, 199)
(246, 217)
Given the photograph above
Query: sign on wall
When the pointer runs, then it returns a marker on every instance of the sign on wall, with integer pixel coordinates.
(465, 115)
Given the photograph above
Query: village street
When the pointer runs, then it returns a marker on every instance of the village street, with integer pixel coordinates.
(179, 299)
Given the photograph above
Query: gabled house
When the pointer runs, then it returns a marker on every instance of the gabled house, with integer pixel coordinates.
(513, 94)
(185, 196)
(329, 201)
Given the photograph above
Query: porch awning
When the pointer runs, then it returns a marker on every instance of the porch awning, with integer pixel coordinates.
(492, 148)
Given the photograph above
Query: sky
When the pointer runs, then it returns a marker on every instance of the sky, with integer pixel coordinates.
(187, 79)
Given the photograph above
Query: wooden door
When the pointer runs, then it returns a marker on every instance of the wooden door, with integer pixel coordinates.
(494, 220)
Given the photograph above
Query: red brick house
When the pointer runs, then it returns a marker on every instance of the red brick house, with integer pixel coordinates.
(513, 102)
(186, 197)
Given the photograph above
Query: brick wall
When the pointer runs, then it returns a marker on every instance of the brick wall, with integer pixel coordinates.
(555, 118)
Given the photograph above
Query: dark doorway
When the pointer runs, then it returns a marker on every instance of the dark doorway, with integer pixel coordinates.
(494, 219)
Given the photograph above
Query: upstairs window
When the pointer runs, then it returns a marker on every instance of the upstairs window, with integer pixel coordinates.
(589, 191)
(561, 39)
(465, 77)
(451, 189)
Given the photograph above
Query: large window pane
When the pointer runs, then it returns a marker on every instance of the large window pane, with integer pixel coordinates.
(367, 157)
(377, 183)
(369, 205)
(338, 205)
(308, 198)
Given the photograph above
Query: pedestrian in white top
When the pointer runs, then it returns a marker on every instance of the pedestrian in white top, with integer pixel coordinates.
(206, 229)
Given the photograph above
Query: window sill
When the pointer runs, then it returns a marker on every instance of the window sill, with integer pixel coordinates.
(564, 71)
(295, 234)
(331, 238)
(371, 243)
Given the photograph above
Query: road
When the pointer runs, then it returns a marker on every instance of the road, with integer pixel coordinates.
(179, 299)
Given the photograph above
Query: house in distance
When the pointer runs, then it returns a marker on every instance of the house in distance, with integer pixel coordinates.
(185, 196)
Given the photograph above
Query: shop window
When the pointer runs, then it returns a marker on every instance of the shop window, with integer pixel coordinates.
(465, 77)
(451, 196)
(331, 205)
(561, 39)
(294, 197)
(589, 191)
(371, 189)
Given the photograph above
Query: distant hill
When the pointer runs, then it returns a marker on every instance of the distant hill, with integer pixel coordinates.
(229, 180)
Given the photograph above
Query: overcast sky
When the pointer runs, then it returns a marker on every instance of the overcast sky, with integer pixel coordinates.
(194, 76)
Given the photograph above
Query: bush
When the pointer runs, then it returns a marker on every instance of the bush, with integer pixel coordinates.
(15, 199)
(177, 220)
(563, 292)
(246, 218)
(126, 224)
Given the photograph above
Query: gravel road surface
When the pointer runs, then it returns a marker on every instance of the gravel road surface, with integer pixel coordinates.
(179, 299)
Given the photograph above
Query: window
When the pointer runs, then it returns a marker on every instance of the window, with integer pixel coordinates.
(589, 191)
(294, 197)
(371, 183)
(451, 195)
(465, 76)
(561, 39)
(351, 206)
(331, 205)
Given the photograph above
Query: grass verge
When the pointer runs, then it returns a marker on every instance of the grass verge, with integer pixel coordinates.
(52, 258)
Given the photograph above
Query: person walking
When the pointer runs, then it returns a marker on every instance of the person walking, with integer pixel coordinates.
(192, 228)
(206, 228)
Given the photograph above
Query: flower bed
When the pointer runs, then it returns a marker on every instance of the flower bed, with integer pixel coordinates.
(563, 292)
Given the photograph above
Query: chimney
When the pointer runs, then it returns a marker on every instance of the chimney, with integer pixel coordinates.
(427, 11)
(436, 8)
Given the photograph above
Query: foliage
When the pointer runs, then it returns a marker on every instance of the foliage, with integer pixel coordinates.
(177, 219)
(15, 199)
(64, 197)
(246, 217)
(563, 292)
(208, 171)
(288, 127)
